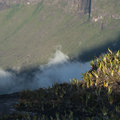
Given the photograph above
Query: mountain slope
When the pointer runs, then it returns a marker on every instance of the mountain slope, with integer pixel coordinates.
(30, 33)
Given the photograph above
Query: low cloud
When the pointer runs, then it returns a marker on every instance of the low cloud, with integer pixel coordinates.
(59, 69)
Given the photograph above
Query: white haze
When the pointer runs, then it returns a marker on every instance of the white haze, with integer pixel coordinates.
(59, 69)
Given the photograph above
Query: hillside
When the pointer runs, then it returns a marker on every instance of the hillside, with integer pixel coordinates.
(31, 31)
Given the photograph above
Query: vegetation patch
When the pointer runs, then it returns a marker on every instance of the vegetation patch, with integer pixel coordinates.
(14, 9)
(97, 97)
(38, 8)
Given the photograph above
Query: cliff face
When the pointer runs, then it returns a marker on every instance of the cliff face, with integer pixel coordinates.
(76, 6)
(8, 2)
(3, 6)
(79, 6)
(95, 8)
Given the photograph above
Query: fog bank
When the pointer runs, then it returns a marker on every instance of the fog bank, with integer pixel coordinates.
(59, 69)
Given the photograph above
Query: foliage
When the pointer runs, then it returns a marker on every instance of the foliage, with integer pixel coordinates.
(97, 97)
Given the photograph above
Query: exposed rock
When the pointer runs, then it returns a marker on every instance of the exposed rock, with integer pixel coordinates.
(103, 25)
(8, 2)
(78, 6)
(91, 7)
(74, 6)
(116, 16)
(4, 6)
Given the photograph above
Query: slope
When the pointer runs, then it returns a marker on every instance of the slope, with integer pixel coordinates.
(30, 34)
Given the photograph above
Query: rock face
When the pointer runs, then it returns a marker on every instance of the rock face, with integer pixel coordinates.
(81, 6)
(76, 6)
(96, 9)
(4, 6)
(8, 2)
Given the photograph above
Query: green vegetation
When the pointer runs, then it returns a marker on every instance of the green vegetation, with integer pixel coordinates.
(14, 9)
(29, 34)
(97, 97)
(38, 8)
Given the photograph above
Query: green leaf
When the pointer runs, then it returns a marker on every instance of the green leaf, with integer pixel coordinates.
(109, 50)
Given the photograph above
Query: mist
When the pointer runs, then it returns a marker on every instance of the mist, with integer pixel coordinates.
(59, 69)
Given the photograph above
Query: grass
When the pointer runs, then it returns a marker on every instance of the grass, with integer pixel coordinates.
(97, 96)
(38, 8)
(14, 9)
(23, 32)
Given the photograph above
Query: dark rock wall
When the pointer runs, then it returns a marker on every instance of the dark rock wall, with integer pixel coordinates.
(82, 6)
(4, 6)
(75, 6)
